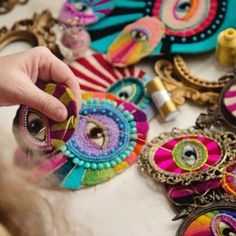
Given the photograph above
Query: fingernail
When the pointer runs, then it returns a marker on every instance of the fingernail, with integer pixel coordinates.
(61, 114)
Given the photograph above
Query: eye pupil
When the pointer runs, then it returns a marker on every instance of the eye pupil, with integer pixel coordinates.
(138, 35)
(185, 6)
(35, 126)
(124, 95)
(228, 232)
(189, 155)
(96, 132)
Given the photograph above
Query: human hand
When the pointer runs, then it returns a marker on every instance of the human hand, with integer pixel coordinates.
(19, 73)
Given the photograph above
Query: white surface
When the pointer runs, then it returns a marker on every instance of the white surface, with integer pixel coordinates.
(129, 204)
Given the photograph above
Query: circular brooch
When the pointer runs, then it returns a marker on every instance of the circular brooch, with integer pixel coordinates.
(95, 73)
(36, 133)
(106, 142)
(184, 156)
(108, 139)
(218, 219)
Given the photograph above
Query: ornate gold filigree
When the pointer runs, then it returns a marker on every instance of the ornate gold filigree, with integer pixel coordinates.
(226, 141)
(182, 84)
(205, 201)
(37, 31)
(216, 117)
(8, 5)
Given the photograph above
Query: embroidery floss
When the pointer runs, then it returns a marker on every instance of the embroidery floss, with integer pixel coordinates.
(226, 47)
(162, 99)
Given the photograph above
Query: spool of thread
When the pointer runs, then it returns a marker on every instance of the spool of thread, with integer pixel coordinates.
(162, 99)
(226, 47)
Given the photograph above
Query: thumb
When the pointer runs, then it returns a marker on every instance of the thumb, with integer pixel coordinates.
(45, 103)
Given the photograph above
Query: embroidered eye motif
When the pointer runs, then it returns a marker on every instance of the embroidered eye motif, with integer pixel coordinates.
(216, 220)
(39, 134)
(223, 225)
(87, 11)
(35, 126)
(183, 5)
(139, 35)
(105, 142)
(185, 156)
(129, 89)
(97, 133)
(127, 84)
(190, 154)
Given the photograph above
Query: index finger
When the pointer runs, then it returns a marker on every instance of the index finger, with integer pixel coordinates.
(53, 69)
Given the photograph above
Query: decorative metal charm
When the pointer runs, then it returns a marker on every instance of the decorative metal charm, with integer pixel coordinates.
(182, 84)
(218, 219)
(186, 199)
(185, 156)
(37, 31)
(8, 5)
(223, 114)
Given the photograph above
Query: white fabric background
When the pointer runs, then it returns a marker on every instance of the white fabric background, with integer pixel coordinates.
(129, 204)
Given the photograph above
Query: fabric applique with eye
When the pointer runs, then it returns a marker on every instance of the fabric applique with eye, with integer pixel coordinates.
(95, 73)
(136, 41)
(216, 220)
(185, 156)
(191, 26)
(36, 133)
(107, 141)
(88, 11)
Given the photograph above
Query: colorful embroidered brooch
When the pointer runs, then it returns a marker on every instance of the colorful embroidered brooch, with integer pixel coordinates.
(95, 73)
(219, 219)
(88, 11)
(108, 139)
(185, 156)
(36, 133)
(190, 26)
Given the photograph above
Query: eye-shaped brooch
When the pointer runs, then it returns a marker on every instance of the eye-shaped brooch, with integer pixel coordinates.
(185, 156)
(38, 134)
(216, 220)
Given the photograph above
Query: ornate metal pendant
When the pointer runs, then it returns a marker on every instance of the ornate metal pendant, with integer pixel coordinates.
(185, 156)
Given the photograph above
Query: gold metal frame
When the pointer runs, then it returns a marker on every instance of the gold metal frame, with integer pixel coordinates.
(226, 140)
(37, 31)
(182, 84)
(8, 5)
(216, 117)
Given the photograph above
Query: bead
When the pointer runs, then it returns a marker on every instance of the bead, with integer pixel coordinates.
(81, 163)
(100, 166)
(63, 148)
(67, 152)
(122, 156)
(87, 165)
(113, 163)
(94, 166)
(120, 108)
(76, 161)
(107, 165)
(118, 160)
